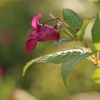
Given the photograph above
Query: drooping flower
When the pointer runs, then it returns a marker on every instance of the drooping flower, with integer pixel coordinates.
(41, 33)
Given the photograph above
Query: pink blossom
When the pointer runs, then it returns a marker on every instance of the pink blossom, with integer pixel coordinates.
(41, 33)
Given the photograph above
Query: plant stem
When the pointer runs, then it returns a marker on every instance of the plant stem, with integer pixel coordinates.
(68, 34)
(85, 44)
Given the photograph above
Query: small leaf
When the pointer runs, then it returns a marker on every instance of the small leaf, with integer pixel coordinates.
(81, 32)
(69, 64)
(96, 33)
(67, 39)
(96, 76)
(73, 20)
(58, 57)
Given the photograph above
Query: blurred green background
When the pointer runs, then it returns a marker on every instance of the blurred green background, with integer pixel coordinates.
(42, 80)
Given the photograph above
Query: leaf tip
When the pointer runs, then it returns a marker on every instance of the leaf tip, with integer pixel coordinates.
(65, 85)
(23, 73)
(26, 67)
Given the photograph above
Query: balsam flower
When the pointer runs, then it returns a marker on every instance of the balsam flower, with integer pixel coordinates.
(41, 33)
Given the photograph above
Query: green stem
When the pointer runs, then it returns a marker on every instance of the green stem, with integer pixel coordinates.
(49, 21)
(68, 34)
(85, 44)
(63, 23)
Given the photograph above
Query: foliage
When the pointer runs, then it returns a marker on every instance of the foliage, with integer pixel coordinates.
(96, 33)
(42, 80)
(71, 57)
(73, 20)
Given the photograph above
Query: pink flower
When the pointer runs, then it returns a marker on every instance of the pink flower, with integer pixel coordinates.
(41, 33)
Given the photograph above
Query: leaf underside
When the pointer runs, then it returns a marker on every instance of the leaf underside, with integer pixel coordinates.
(69, 64)
(67, 39)
(58, 57)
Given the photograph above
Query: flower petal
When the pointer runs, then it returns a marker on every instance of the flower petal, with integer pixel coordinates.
(52, 33)
(35, 23)
(31, 43)
(47, 33)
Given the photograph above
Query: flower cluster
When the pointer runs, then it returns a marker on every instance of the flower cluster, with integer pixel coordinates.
(41, 33)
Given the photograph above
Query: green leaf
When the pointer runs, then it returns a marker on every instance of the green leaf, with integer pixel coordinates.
(67, 39)
(69, 64)
(58, 57)
(96, 33)
(81, 32)
(71, 31)
(96, 76)
(73, 20)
